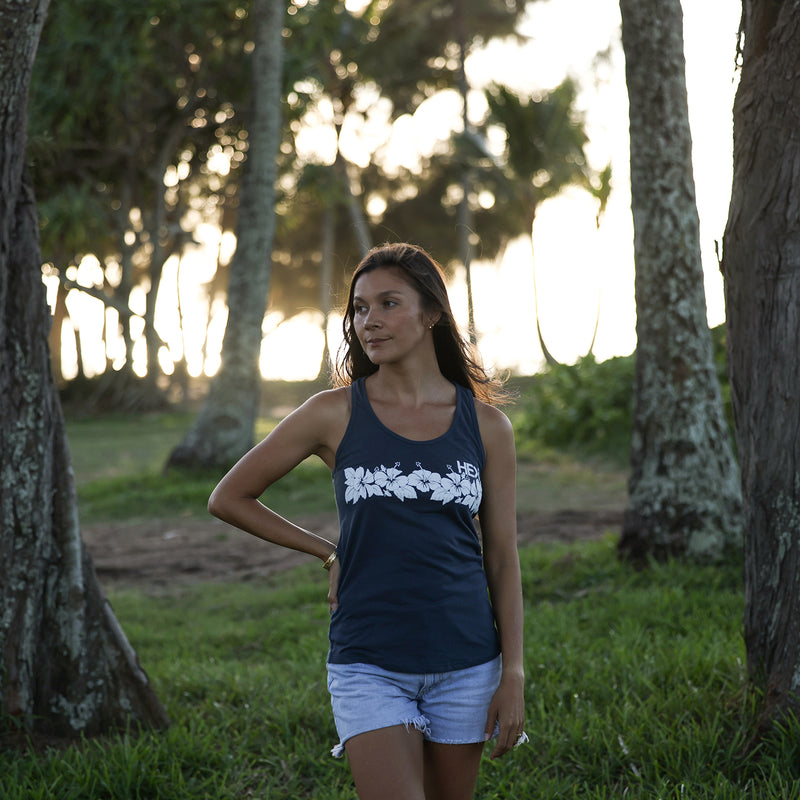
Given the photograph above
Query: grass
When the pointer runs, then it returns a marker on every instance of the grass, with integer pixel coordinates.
(123, 477)
(635, 688)
(635, 685)
(118, 463)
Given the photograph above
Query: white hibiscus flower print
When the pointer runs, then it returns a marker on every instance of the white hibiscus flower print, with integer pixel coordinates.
(354, 480)
(381, 476)
(470, 495)
(360, 484)
(446, 491)
(400, 488)
(424, 480)
(462, 486)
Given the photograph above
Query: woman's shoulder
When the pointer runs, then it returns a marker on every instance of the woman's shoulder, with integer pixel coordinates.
(329, 402)
(493, 423)
(322, 421)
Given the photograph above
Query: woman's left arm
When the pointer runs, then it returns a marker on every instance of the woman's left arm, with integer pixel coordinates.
(498, 520)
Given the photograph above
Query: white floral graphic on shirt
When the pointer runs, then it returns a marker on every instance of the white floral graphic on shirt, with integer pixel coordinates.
(460, 485)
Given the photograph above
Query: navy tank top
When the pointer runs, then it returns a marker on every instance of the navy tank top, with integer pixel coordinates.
(412, 591)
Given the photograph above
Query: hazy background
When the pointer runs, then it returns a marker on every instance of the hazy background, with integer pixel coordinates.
(579, 269)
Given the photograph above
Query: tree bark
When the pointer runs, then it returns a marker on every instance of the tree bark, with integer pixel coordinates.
(67, 668)
(684, 488)
(761, 265)
(225, 426)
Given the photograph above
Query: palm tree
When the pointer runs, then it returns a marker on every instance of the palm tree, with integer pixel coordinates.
(545, 140)
(224, 428)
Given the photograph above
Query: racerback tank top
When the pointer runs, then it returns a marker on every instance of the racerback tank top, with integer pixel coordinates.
(412, 592)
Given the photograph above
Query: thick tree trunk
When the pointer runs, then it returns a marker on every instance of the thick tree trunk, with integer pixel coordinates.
(762, 295)
(684, 488)
(67, 668)
(225, 426)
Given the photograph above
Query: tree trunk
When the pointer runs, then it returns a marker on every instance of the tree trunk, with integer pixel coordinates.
(762, 297)
(327, 248)
(465, 218)
(162, 249)
(126, 280)
(225, 426)
(67, 668)
(685, 495)
(354, 207)
(55, 341)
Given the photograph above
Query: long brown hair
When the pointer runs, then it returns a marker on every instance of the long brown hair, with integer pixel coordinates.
(454, 353)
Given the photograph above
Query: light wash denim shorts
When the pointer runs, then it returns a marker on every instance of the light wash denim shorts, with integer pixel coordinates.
(447, 707)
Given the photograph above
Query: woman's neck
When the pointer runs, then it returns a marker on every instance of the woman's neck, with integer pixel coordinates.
(408, 386)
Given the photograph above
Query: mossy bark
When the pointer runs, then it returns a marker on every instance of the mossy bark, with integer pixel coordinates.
(685, 495)
(66, 668)
(762, 293)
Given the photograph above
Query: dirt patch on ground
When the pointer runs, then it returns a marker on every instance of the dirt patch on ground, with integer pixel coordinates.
(158, 554)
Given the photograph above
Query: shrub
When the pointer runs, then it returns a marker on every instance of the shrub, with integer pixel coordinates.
(588, 405)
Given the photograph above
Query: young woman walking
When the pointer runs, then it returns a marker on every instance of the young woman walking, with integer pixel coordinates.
(425, 658)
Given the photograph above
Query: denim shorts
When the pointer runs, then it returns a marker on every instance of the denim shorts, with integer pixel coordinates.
(447, 707)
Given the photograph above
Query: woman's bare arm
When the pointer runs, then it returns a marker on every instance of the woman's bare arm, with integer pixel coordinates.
(501, 561)
(316, 428)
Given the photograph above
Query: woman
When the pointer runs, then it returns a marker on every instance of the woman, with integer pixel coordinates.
(424, 665)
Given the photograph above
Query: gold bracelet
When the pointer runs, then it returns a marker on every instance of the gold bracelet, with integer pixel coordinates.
(328, 563)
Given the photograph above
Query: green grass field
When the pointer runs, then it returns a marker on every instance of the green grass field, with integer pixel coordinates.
(118, 464)
(635, 683)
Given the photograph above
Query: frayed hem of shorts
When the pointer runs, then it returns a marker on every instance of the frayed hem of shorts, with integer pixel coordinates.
(420, 723)
(523, 739)
(338, 750)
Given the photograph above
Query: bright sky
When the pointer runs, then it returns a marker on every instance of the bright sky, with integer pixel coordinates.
(576, 265)
(578, 269)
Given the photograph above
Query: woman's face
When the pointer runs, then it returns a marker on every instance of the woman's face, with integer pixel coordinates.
(389, 318)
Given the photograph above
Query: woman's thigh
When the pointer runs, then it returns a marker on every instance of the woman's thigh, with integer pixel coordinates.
(387, 764)
(451, 770)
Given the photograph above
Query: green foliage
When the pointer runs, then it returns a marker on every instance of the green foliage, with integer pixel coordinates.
(587, 405)
(417, 39)
(118, 462)
(719, 343)
(401, 52)
(184, 494)
(152, 87)
(634, 688)
(120, 90)
(545, 143)
(123, 479)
